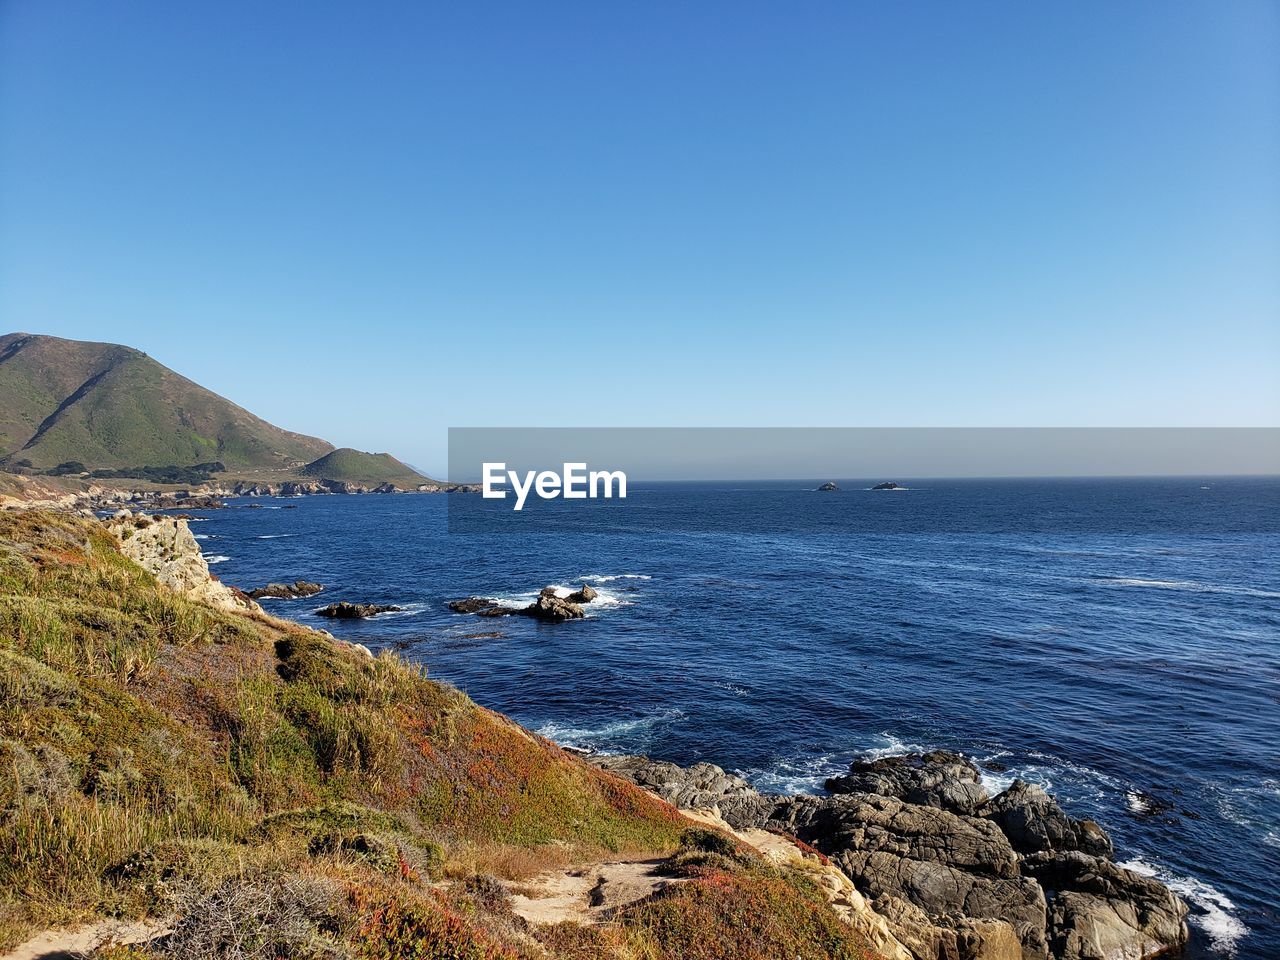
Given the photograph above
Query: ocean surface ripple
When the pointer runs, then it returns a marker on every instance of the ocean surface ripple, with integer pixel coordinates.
(1134, 675)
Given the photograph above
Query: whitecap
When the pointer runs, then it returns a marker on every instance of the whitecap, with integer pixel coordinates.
(216, 558)
(792, 777)
(406, 610)
(604, 599)
(1137, 803)
(273, 536)
(201, 536)
(1215, 911)
(894, 747)
(1190, 586)
(606, 735)
(593, 578)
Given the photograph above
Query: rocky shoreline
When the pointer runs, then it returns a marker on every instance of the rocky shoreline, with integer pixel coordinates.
(956, 873)
(96, 496)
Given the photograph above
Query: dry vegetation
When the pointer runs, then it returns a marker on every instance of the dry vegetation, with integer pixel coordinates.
(281, 796)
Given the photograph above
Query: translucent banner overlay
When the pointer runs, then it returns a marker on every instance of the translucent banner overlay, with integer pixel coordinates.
(866, 480)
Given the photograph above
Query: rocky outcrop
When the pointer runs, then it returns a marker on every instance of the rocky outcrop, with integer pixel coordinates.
(960, 937)
(309, 488)
(355, 611)
(888, 485)
(703, 786)
(937, 779)
(828, 487)
(552, 606)
(286, 591)
(166, 548)
(480, 605)
(1103, 911)
(956, 874)
(1034, 823)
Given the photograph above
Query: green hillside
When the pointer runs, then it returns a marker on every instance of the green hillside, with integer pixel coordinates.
(266, 791)
(109, 406)
(358, 467)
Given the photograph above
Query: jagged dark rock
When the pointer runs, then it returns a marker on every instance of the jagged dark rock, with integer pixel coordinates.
(944, 863)
(1034, 823)
(585, 595)
(887, 485)
(286, 591)
(703, 786)
(553, 609)
(549, 607)
(1099, 910)
(958, 875)
(355, 611)
(472, 604)
(828, 487)
(936, 779)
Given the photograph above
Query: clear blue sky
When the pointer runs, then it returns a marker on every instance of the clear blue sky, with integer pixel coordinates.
(372, 221)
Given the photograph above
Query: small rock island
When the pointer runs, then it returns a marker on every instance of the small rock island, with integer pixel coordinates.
(827, 487)
(888, 485)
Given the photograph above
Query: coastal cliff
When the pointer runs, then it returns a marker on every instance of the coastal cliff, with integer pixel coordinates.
(174, 760)
(166, 548)
(168, 750)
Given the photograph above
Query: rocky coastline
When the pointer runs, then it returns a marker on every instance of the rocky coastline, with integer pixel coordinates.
(30, 494)
(957, 874)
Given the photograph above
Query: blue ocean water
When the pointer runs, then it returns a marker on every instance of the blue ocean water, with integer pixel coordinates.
(1116, 641)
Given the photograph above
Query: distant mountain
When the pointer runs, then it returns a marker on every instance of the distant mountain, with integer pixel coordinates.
(111, 407)
(357, 467)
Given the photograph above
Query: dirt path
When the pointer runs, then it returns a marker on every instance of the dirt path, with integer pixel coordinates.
(73, 944)
(585, 894)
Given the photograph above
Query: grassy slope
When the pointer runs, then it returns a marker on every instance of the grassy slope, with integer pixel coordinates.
(110, 406)
(151, 747)
(354, 465)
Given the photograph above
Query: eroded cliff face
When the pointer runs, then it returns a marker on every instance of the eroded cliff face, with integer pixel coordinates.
(166, 548)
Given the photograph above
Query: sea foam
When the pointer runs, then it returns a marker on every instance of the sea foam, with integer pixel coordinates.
(1214, 913)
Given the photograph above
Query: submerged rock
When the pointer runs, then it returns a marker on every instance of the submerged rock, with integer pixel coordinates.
(473, 605)
(355, 611)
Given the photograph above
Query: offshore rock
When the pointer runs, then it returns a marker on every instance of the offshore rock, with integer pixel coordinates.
(553, 609)
(355, 611)
(286, 591)
(550, 606)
